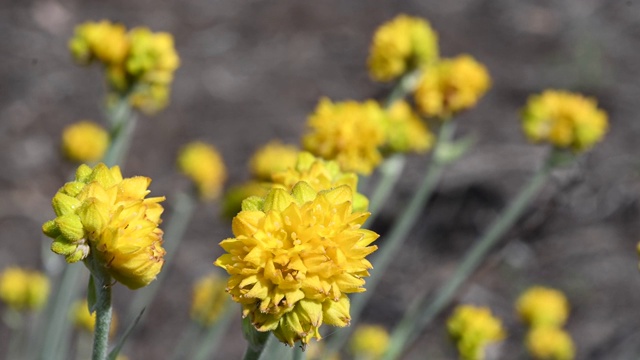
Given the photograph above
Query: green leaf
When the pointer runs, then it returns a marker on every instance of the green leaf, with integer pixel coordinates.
(116, 350)
(91, 294)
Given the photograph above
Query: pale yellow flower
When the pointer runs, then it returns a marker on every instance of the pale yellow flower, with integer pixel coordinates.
(542, 306)
(203, 164)
(550, 343)
(24, 290)
(271, 158)
(405, 131)
(84, 141)
(105, 41)
(564, 119)
(208, 300)
(369, 341)
(450, 86)
(473, 328)
(295, 257)
(401, 45)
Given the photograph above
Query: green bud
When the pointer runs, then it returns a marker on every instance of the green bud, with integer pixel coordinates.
(64, 204)
(253, 203)
(303, 192)
(278, 199)
(72, 188)
(62, 246)
(70, 226)
(51, 229)
(93, 215)
(83, 173)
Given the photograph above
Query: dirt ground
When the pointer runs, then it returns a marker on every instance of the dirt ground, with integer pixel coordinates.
(253, 70)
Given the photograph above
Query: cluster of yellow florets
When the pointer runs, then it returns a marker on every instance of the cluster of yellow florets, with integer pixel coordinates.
(271, 158)
(564, 119)
(23, 289)
(473, 328)
(100, 214)
(84, 141)
(203, 164)
(138, 63)
(406, 132)
(209, 297)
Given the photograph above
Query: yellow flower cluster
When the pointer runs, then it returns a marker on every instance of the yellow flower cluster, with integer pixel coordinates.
(100, 214)
(209, 298)
(405, 131)
(369, 342)
(203, 164)
(473, 328)
(545, 311)
(450, 86)
(84, 141)
(86, 321)
(139, 63)
(23, 290)
(564, 119)
(349, 132)
(401, 45)
(295, 257)
(272, 158)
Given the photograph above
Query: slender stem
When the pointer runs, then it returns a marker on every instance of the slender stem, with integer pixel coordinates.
(103, 285)
(298, 353)
(405, 85)
(209, 342)
(255, 351)
(257, 340)
(423, 312)
(123, 123)
(390, 170)
(15, 321)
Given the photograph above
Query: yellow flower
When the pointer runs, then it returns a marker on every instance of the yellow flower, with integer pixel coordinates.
(564, 119)
(84, 141)
(104, 41)
(295, 257)
(209, 298)
(232, 201)
(100, 214)
(400, 45)
(369, 341)
(272, 158)
(348, 132)
(451, 85)
(473, 328)
(405, 131)
(321, 175)
(550, 343)
(86, 321)
(541, 306)
(152, 55)
(23, 290)
(203, 164)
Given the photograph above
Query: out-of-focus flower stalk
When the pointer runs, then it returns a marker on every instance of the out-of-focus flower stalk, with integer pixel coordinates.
(424, 310)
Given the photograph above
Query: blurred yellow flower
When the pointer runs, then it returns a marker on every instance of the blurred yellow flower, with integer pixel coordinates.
(272, 158)
(542, 306)
(86, 321)
(401, 45)
(348, 132)
(100, 214)
(84, 141)
(405, 131)
(23, 290)
(104, 41)
(550, 343)
(295, 257)
(450, 86)
(369, 342)
(473, 328)
(564, 119)
(203, 164)
(208, 301)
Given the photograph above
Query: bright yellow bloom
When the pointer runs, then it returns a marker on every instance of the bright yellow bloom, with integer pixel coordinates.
(401, 45)
(209, 297)
(203, 164)
(451, 85)
(321, 175)
(100, 214)
(84, 141)
(233, 198)
(541, 306)
(473, 328)
(104, 41)
(348, 132)
(550, 343)
(369, 341)
(86, 321)
(23, 290)
(272, 158)
(405, 131)
(564, 119)
(295, 257)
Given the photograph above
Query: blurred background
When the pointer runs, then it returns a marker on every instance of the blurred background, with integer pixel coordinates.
(252, 71)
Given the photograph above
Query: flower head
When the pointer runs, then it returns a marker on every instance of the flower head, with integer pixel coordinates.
(100, 214)
(542, 306)
(203, 164)
(272, 158)
(400, 45)
(84, 141)
(295, 257)
(85, 320)
(209, 297)
(473, 328)
(405, 131)
(348, 132)
(450, 86)
(550, 343)
(23, 290)
(564, 119)
(103, 41)
(369, 341)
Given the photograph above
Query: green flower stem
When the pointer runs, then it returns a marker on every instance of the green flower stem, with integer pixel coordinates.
(390, 170)
(123, 123)
(185, 205)
(211, 338)
(393, 242)
(15, 321)
(423, 312)
(103, 284)
(405, 86)
(257, 340)
(298, 353)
